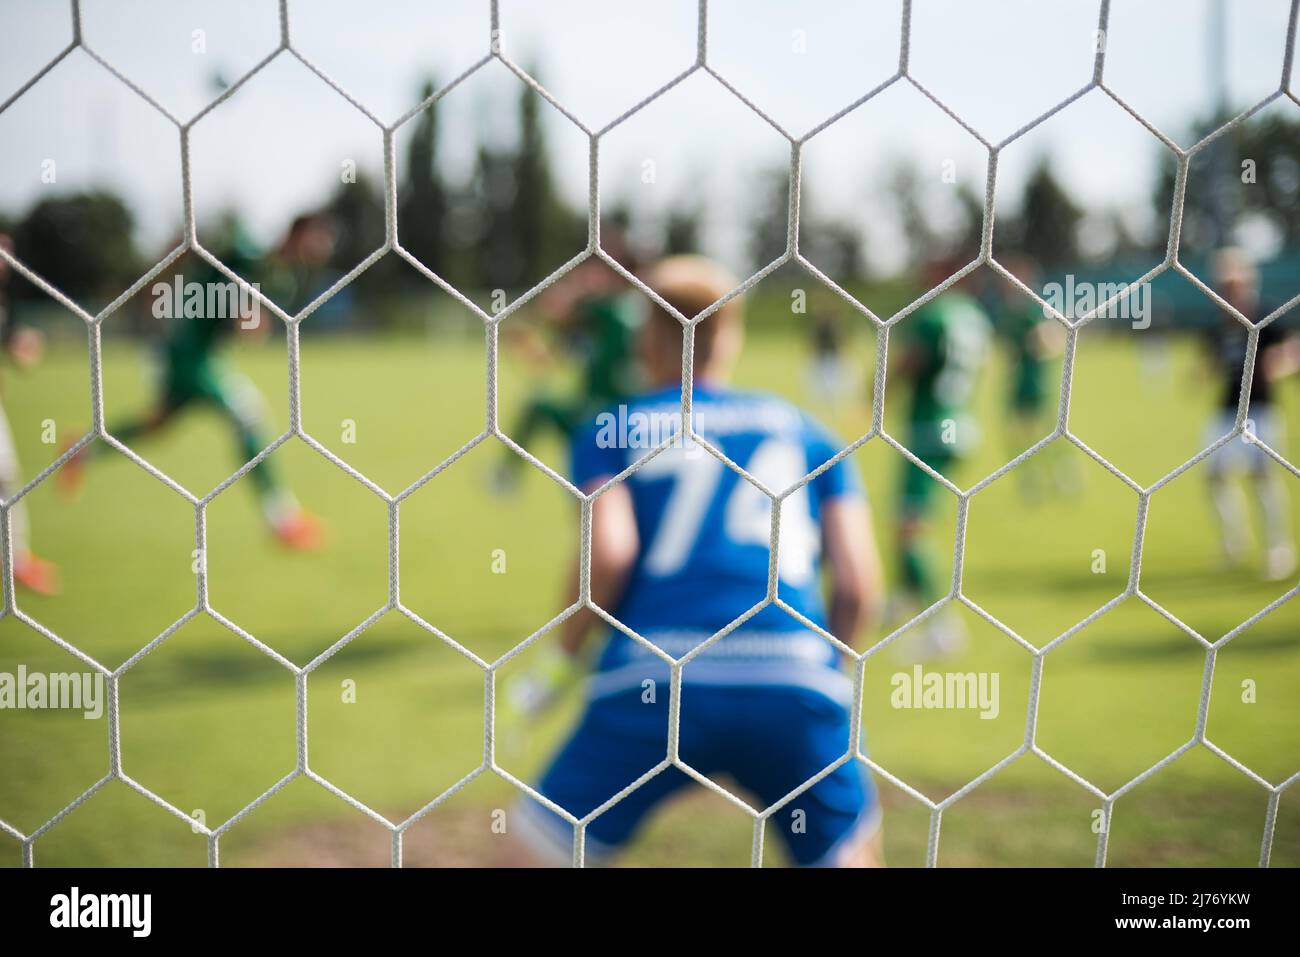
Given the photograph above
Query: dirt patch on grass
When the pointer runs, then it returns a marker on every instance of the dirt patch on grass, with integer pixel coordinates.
(989, 827)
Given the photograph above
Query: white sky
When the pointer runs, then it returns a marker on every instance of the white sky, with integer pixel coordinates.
(276, 147)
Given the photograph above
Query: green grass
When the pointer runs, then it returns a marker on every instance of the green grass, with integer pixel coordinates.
(207, 720)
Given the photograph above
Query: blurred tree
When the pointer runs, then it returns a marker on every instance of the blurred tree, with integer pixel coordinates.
(833, 246)
(534, 190)
(836, 249)
(1047, 225)
(494, 202)
(923, 242)
(1274, 145)
(1125, 243)
(972, 212)
(682, 230)
(769, 224)
(1258, 165)
(524, 228)
(357, 210)
(617, 214)
(422, 211)
(548, 232)
(83, 244)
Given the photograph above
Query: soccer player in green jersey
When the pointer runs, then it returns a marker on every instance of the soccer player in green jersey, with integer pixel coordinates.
(597, 312)
(193, 374)
(1032, 340)
(943, 347)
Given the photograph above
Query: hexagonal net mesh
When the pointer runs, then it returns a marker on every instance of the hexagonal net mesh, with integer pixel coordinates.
(495, 49)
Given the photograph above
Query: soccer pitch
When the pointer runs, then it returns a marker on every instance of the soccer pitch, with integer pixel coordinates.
(395, 717)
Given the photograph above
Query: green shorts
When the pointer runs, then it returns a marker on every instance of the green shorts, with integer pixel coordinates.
(1028, 397)
(563, 414)
(213, 383)
(919, 487)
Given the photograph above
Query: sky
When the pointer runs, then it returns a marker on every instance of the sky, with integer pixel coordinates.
(277, 146)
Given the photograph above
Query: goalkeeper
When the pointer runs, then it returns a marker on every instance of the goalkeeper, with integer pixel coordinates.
(680, 550)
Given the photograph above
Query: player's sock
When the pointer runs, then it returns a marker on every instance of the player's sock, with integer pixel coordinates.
(916, 572)
(900, 606)
(1029, 477)
(277, 505)
(1273, 510)
(10, 482)
(942, 635)
(1232, 521)
(1279, 555)
(291, 524)
(71, 476)
(301, 531)
(1067, 475)
(34, 574)
(1280, 562)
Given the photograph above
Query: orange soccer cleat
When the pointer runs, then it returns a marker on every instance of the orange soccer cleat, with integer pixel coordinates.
(36, 574)
(300, 531)
(71, 476)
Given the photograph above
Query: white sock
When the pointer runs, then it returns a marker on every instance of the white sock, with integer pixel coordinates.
(277, 506)
(1274, 513)
(1232, 519)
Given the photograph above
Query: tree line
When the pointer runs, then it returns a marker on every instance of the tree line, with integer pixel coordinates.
(506, 225)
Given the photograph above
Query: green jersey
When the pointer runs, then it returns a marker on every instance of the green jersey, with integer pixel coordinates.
(191, 342)
(607, 327)
(1019, 326)
(950, 338)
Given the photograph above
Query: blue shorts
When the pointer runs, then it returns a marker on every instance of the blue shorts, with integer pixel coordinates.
(768, 739)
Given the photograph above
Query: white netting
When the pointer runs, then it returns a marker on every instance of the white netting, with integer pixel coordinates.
(495, 50)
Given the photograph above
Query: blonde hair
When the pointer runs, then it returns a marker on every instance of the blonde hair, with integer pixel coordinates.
(690, 284)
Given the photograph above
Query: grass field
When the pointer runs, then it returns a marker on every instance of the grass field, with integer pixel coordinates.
(208, 721)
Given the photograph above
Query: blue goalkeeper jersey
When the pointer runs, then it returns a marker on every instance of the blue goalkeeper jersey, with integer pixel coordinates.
(704, 533)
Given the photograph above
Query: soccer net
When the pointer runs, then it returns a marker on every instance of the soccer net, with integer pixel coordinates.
(496, 48)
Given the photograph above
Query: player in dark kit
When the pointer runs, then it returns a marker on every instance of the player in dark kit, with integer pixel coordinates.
(1277, 355)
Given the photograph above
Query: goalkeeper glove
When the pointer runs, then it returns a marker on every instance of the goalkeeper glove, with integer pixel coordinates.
(538, 689)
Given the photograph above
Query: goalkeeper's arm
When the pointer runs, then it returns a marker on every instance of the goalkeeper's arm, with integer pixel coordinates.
(614, 547)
